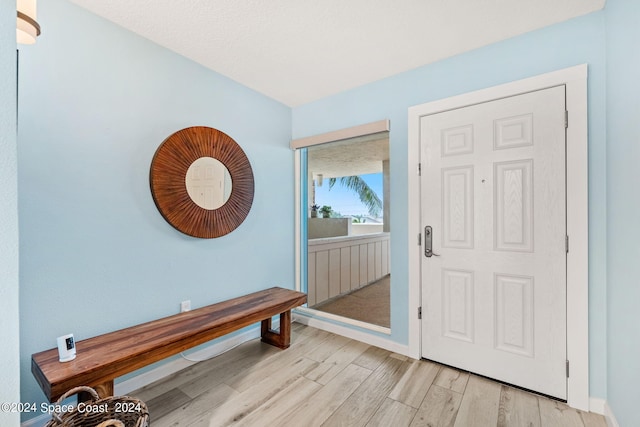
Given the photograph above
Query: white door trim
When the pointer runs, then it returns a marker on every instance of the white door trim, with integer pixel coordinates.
(575, 79)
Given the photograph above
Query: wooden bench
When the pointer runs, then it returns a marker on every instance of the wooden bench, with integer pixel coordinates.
(101, 359)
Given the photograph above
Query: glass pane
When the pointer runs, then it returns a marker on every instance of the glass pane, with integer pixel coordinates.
(346, 228)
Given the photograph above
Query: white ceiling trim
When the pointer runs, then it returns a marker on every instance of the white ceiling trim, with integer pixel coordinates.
(367, 129)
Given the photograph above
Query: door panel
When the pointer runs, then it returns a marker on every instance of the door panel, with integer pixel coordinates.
(457, 205)
(493, 191)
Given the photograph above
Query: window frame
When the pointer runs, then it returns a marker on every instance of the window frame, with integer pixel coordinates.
(301, 202)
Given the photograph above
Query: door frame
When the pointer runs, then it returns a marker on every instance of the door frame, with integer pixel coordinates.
(575, 80)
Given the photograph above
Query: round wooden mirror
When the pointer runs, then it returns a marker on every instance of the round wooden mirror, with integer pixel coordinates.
(168, 179)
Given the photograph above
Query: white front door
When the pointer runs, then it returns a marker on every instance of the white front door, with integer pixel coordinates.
(493, 194)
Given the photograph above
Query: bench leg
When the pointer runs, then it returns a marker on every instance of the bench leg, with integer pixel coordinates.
(281, 339)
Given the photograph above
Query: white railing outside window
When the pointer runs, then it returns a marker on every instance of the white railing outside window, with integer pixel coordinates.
(339, 265)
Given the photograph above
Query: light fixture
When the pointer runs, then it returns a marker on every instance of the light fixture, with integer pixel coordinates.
(319, 177)
(27, 27)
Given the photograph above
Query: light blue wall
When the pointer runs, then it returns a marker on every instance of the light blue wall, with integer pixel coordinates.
(623, 208)
(95, 103)
(9, 320)
(578, 41)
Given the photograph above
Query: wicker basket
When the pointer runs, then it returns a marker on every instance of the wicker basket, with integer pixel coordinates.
(115, 411)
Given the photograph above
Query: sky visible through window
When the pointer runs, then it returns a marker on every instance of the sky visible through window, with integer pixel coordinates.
(344, 200)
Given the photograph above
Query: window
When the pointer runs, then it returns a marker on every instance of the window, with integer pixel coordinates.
(344, 228)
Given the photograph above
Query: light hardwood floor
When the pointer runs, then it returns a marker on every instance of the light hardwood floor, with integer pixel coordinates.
(328, 380)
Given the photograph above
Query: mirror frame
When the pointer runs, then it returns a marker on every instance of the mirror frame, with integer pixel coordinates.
(167, 180)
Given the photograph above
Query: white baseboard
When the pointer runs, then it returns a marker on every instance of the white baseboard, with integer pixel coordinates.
(169, 368)
(601, 406)
(596, 405)
(609, 417)
(322, 315)
(352, 333)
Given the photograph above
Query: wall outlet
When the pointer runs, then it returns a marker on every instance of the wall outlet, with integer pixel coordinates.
(185, 306)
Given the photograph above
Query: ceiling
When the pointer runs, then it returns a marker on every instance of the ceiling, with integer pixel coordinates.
(349, 157)
(298, 51)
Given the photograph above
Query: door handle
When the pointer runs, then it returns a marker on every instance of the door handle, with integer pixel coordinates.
(428, 242)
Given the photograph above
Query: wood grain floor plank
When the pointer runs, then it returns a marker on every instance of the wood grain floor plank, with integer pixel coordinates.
(372, 358)
(242, 404)
(315, 411)
(399, 357)
(452, 379)
(333, 343)
(273, 410)
(364, 402)
(338, 361)
(261, 391)
(439, 408)
(245, 355)
(297, 327)
(356, 384)
(479, 406)
(590, 419)
(518, 408)
(242, 380)
(166, 403)
(415, 383)
(203, 375)
(189, 414)
(557, 414)
(392, 413)
(213, 372)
